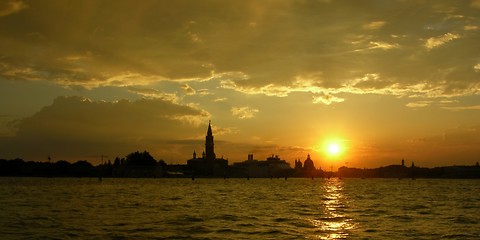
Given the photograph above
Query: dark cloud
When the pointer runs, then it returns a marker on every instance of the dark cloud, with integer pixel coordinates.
(68, 116)
(76, 125)
(460, 145)
(11, 6)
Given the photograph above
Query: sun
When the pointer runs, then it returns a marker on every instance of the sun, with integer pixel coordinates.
(333, 148)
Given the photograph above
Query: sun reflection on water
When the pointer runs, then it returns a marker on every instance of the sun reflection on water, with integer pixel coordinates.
(334, 223)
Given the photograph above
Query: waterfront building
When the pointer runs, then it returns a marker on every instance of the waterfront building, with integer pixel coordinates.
(307, 169)
(298, 164)
(308, 164)
(273, 166)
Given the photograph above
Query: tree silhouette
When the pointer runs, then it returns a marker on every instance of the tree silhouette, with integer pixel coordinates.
(140, 159)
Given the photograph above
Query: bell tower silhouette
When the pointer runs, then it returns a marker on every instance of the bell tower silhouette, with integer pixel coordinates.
(209, 146)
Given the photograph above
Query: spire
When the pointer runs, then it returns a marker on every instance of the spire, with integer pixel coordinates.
(209, 131)
(209, 145)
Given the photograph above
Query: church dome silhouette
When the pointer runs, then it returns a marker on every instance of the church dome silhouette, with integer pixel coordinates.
(308, 164)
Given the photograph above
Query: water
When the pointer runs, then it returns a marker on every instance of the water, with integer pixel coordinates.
(57, 208)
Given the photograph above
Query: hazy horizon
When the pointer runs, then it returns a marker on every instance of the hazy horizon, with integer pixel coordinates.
(352, 83)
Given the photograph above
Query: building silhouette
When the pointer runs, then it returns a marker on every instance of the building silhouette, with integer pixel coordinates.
(208, 165)
(273, 166)
(308, 164)
(307, 169)
(298, 164)
(209, 144)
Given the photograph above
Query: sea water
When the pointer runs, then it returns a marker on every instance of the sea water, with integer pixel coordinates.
(72, 208)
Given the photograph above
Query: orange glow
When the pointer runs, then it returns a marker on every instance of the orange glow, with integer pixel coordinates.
(332, 151)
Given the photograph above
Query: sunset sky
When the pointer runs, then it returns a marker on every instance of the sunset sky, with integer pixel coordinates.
(384, 79)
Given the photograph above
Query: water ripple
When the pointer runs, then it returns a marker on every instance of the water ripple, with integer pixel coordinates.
(36, 208)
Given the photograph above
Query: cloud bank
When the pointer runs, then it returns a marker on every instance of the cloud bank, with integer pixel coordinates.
(271, 48)
(78, 126)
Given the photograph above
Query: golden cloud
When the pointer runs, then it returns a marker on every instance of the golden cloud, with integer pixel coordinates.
(374, 25)
(243, 112)
(434, 42)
